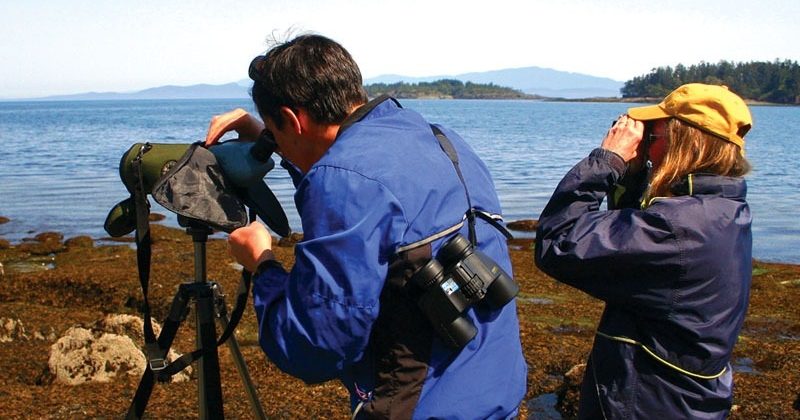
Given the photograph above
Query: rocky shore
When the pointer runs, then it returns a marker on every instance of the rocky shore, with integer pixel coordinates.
(51, 287)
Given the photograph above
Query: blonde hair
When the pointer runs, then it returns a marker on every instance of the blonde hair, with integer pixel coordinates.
(691, 150)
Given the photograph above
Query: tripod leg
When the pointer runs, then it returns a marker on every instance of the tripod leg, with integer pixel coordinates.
(209, 382)
(241, 366)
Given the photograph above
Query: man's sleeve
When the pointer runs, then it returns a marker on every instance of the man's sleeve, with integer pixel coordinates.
(317, 319)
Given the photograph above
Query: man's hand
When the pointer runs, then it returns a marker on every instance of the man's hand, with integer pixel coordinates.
(251, 245)
(624, 137)
(239, 120)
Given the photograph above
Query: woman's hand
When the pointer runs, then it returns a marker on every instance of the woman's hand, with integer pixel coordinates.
(239, 120)
(624, 137)
(251, 245)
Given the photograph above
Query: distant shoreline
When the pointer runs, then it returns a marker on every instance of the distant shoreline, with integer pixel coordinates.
(750, 102)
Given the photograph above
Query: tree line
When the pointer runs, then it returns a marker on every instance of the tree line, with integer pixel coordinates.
(445, 88)
(777, 81)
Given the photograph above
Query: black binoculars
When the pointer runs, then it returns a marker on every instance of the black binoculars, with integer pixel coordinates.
(458, 278)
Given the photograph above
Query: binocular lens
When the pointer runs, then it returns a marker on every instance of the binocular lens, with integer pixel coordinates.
(460, 332)
(454, 250)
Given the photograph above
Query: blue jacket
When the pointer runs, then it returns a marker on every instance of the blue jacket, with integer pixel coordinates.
(386, 184)
(676, 281)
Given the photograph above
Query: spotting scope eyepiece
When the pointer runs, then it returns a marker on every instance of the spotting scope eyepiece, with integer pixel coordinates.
(264, 146)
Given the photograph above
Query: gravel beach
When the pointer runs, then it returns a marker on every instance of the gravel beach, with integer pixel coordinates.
(49, 284)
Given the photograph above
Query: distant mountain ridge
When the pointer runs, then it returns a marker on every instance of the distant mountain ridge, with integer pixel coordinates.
(531, 80)
(201, 91)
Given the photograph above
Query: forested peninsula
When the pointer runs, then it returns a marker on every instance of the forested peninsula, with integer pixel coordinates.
(446, 89)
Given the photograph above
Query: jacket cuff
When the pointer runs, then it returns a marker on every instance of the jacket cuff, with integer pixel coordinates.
(269, 282)
(614, 160)
(266, 265)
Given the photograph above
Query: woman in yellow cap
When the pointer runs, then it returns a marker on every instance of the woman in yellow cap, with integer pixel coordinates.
(671, 257)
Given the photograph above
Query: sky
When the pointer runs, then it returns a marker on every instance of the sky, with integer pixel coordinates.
(52, 47)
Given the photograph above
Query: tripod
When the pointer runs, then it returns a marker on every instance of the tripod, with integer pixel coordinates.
(209, 305)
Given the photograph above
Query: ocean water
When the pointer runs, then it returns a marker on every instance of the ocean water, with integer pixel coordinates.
(59, 161)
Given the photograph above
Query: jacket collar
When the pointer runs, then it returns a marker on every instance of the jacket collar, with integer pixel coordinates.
(710, 184)
(356, 116)
(362, 112)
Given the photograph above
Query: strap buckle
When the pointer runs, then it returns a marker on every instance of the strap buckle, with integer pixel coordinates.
(158, 364)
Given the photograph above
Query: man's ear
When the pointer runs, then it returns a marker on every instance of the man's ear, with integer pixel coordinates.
(291, 119)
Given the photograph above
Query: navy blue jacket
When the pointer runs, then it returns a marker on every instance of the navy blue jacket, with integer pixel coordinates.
(676, 281)
(384, 186)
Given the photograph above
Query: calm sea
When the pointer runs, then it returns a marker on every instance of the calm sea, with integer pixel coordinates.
(59, 160)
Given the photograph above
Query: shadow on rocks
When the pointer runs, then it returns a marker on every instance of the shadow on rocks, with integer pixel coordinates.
(526, 225)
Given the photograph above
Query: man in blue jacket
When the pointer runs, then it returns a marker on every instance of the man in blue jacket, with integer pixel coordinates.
(674, 271)
(377, 196)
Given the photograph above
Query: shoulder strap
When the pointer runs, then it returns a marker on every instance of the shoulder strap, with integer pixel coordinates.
(143, 253)
(451, 153)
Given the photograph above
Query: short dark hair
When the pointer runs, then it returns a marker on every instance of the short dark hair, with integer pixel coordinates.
(311, 72)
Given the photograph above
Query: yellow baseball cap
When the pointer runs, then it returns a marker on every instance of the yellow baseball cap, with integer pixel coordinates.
(711, 108)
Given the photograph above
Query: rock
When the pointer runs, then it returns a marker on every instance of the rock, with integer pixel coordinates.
(11, 329)
(80, 356)
(4, 244)
(4, 219)
(156, 217)
(124, 239)
(45, 335)
(290, 240)
(570, 391)
(772, 361)
(161, 233)
(123, 324)
(528, 225)
(49, 237)
(520, 243)
(574, 376)
(41, 248)
(102, 352)
(44, 243)
(82, 241)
